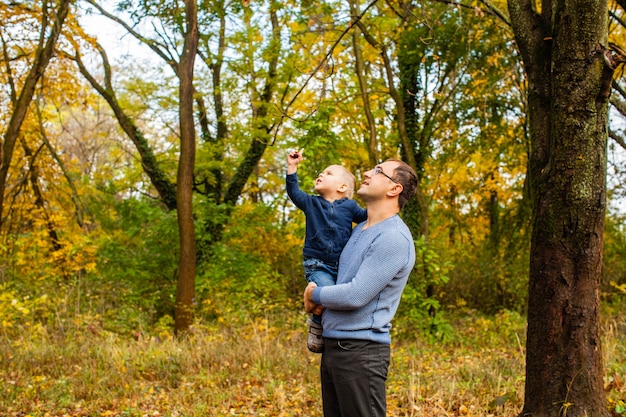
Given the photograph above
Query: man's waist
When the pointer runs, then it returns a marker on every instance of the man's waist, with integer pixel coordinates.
(363, 335)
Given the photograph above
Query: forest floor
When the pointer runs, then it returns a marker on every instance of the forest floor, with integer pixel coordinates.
(261, 367)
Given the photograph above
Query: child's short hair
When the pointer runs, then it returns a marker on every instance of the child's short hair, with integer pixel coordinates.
(350, 180)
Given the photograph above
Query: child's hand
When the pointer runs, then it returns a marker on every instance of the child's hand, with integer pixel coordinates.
(295, 157)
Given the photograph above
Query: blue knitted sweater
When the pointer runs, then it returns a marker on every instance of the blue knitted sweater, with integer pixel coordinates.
(373, 270)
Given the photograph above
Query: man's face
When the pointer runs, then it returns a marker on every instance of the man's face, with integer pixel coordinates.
(377, 181)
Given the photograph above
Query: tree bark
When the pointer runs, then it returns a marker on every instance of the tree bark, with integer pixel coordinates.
(185, 291)
(563, 50)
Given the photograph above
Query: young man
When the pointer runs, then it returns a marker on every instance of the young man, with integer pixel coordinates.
(373, 270)
(329, 218)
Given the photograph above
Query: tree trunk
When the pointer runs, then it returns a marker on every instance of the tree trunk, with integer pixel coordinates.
(42, 58)
(185, 291)
(359, 69)
(565, 62)
(415, 210)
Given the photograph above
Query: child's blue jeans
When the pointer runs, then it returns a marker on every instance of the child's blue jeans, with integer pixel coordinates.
(320, 273)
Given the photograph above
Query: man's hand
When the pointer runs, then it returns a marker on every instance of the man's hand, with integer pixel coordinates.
(309, 305)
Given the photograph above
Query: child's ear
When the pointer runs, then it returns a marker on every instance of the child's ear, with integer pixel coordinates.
(343, 188)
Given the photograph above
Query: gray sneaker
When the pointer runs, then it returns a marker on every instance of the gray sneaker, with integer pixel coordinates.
(315, 341)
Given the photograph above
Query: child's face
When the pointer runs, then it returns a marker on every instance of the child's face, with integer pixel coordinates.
(330, 180)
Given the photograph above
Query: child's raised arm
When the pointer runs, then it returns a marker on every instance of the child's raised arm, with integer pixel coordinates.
(294, 158)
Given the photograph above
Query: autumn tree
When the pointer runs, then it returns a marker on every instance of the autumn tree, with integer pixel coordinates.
(569, 70)
(183, 28)
(159, 178)
(452, 88)
(52, 19)
(242, 125)
(39, 182)
(185, 289)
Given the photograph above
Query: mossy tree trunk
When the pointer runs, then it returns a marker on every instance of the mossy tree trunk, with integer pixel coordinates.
(563, 47)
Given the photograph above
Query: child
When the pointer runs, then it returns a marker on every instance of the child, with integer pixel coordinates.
(329, 218)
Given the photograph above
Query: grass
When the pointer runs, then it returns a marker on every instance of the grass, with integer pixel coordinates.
(260, 367)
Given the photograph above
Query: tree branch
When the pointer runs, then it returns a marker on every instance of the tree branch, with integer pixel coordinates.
(159, 49)
(489, 8)
(320, 65)
(619, 139)
(161, 183)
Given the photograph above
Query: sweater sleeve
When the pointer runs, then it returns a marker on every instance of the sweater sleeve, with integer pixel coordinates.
(359, 215)
(296, 195)
(388, 255)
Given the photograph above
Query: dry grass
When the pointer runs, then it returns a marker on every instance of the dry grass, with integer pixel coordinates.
(260, 368)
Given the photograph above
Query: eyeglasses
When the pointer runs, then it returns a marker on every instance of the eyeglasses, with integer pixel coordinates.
(379, 170)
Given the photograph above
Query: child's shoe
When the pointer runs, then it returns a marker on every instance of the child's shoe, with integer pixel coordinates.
(315, 341)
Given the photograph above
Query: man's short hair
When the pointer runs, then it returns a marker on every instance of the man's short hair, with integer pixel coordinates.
(406, 176)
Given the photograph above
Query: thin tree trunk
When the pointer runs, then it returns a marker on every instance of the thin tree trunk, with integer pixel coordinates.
(214, 190)
(185, 291)
(372, 143)
(70, 182)
(40, 203)
(409, 152)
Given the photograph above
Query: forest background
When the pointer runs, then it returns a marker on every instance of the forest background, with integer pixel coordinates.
(90, 239)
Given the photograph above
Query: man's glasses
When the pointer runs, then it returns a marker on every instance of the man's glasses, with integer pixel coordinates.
(379, 170)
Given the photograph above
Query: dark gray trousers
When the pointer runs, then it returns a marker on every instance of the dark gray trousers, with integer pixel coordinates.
(354, 375)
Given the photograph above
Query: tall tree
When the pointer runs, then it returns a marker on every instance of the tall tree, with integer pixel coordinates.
(563, 45)
(51, 24)
(257, 69)
(185, 289)
(444, 69)
(182, 64)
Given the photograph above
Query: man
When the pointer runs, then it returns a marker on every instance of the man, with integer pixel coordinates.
(373, 270)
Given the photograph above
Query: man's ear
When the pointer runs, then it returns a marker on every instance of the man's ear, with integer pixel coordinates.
(395, 190)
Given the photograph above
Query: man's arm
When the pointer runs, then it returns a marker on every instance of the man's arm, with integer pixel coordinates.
(376, 270)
